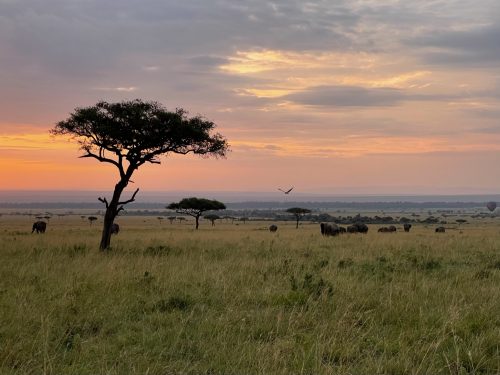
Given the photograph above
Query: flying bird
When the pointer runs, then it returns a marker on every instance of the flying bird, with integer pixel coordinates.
(287, 191)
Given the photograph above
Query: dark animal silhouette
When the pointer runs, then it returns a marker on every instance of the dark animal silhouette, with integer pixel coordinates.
(440, 229)
(390, 229)
(358, 228)
(329, 229)
(39, 226)
(286, 191)
(115, 228)
(273, 228)
(407, 227)
(342, 230)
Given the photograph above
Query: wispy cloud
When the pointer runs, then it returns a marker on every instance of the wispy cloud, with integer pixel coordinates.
(118, 89)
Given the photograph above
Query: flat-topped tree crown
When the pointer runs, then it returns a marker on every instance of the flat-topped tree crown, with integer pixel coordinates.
(129, 134)
(195, 207)
(298, 212)
(139, 132)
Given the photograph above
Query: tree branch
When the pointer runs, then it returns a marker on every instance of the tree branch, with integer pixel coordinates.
(104, 200)
(102, 159)
(129, 200)
(192, 213)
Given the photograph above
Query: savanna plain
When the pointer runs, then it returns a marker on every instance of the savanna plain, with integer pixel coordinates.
(237, 299)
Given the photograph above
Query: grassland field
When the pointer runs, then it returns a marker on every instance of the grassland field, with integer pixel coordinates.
(237, 299)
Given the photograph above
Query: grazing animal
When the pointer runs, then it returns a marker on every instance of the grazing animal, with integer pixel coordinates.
(329, 229)
(407, 227)
(358, 228)
(115, 228)
(390, 229)
(440, 229)
(273, 228)
(39, 226)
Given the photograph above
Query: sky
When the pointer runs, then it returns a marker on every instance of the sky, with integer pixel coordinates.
(331, 96)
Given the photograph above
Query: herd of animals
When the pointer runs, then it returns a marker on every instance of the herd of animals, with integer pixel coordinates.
(326, 228)
(334, 229)
(41, 226)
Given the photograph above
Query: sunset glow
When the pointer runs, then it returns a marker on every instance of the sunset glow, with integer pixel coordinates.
(295, 88)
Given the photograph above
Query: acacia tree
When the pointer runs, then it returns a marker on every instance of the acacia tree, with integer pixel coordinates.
(195, 207)
(212, 218)
(129, 134)
(298, 213)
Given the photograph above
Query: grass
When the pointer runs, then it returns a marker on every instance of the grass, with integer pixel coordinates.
(240, 300)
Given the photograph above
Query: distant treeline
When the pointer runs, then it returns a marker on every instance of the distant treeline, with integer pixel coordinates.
(317, 206)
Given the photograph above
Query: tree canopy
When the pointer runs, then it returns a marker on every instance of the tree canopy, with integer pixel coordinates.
(212, 218)
(298, 212)
(129, 134)
(139, 132)
(196, 206)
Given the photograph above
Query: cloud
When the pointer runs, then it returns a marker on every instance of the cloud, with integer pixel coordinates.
(269, 67)
(207, 61)
(347, 96)
(353, 96)
(119, 89)
(476, 47)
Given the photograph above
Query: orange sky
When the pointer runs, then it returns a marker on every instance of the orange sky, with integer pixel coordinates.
(330, 99)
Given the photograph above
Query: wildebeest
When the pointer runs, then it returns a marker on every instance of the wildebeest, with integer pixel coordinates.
(440, 229)
(329, 229)
(407, 227)
(273, 228)
(357, 228)
(115, 228)
(39, 226)
(390, 229)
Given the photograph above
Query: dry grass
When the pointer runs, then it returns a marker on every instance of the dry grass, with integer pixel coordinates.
(240, 300)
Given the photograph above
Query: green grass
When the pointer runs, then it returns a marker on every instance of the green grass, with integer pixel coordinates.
(240, 300)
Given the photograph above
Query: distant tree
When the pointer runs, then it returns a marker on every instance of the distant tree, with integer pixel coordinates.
(171, 219)
(47, 217)
(461, 221)
(212, 218)
(299, 213)
(131, 133)
(83, 217)
(244, 219)
(160, 219)
(180, 218)
(91, 219)
(195, 207)
(227, 218)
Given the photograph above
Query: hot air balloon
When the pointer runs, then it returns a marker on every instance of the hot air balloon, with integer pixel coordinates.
(491, 206)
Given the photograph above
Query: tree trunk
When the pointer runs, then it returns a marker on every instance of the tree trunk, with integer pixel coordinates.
(197, 218)
(297, 226)
(109, 217)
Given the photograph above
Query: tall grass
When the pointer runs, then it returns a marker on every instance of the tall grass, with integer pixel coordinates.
(240, 300)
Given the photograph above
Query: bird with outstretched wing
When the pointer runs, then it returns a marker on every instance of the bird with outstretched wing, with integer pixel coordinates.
(286, 191)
